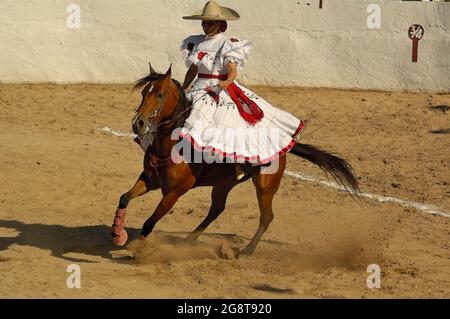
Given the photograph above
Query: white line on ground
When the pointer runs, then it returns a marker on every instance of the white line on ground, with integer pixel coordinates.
(117, 133)
(426, 208)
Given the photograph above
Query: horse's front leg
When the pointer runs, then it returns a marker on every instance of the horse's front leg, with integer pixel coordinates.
(164, 206)
(141, 187)
(177, 180)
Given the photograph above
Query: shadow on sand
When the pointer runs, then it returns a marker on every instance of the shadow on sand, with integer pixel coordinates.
(60, 240)
(92, 240)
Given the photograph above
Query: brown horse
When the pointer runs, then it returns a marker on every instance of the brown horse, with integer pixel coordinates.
(164, 105)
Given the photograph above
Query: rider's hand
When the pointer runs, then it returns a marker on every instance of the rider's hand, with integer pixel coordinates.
(224, 84)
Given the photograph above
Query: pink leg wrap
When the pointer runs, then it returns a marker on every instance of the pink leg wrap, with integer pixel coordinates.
(119, 233)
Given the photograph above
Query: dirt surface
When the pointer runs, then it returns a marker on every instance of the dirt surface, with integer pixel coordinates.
(62, 176)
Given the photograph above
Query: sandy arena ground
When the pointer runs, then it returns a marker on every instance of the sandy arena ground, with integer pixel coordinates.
(61, 178)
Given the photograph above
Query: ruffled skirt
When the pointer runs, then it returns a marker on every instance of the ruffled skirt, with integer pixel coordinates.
(215, 124)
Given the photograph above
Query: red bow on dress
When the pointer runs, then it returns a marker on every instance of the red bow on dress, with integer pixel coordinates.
(239, 97)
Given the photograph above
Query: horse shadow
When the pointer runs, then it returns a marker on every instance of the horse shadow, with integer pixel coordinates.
(92, 240)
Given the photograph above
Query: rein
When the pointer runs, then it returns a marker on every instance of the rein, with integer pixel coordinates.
(153, 160)
(181, 100)
(180, 90)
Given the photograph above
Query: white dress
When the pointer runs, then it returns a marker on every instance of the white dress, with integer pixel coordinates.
(216, 122)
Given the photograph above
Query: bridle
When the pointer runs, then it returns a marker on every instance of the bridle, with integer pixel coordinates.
(152, 159)
(181, 101)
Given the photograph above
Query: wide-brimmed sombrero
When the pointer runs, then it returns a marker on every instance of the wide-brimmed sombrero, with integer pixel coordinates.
(213, 12)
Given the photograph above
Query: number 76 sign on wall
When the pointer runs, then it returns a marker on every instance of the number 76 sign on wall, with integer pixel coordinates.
(415, 33)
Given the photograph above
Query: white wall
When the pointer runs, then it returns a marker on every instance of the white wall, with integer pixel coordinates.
(294, 43)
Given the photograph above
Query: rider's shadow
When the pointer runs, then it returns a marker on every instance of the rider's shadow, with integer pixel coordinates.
(92, 240)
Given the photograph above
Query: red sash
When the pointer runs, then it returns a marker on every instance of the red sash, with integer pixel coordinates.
(239, 98)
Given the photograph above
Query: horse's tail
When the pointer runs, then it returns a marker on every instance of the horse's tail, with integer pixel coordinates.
(340, 169)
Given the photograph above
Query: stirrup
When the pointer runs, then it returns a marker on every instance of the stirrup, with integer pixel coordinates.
(240, 173)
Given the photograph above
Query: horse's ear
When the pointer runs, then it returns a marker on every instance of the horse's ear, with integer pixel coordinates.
(169, 72)
(152, 71)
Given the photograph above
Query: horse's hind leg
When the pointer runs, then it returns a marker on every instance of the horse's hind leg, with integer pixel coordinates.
(266, 187)
(219, 197)
(141, 187)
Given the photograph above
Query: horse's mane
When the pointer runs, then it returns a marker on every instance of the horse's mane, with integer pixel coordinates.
(184, 107)
(183, 103)
(145, 80)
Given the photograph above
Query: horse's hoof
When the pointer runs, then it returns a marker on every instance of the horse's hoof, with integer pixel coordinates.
(191, 239)
(248, 251)
(121, 239)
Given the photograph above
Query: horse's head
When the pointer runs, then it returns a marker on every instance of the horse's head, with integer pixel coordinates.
(158, 100)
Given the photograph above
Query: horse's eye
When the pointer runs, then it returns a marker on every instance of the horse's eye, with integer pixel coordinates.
(159, 95)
